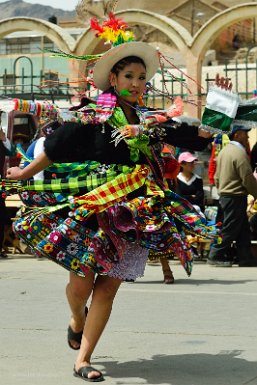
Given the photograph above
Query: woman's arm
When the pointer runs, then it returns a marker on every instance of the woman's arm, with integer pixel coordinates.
(40, 163)
(185, 136)
(191, 137)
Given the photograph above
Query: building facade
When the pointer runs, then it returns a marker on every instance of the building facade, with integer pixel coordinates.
(24, 63)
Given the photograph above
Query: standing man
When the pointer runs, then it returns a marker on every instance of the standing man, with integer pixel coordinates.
(6, 149)
(234, 180)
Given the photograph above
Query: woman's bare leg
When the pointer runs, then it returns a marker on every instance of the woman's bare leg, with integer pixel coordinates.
(167, 272)
(104, 292)
(78, 291)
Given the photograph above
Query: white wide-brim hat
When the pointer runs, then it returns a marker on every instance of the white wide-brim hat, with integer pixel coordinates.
(144, 51)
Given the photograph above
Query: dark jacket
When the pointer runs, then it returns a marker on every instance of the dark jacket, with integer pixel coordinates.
(74, 142)
(3, 153)
(192, 191)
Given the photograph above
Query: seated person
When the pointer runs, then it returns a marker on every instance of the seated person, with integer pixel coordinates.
(189, 184)
(22, 139)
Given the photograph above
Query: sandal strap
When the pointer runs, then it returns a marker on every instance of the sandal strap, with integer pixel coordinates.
(84, 372)
(73, 335)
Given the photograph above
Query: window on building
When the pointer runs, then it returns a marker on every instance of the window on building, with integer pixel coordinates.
(2, 47)
(49, 45)
(51, 76)
(26, 45)
(17, 46)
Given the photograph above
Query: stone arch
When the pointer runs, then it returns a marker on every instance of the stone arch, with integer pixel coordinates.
(210, 30)
(175, 32)
(204, 38)
(58, 35)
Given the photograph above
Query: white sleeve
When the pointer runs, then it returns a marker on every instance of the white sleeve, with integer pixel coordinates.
(7, 144)
(39, 148)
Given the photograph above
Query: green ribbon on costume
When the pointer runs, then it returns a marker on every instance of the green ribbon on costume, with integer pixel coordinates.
(137, 144)
(74, 169)
(118, 118)
(65, 55)
(69, 185)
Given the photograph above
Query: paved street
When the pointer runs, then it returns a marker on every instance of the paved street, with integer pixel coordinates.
(200, 331)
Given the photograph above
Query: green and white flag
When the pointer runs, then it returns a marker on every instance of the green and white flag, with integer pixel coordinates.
(247, 113)
(220, 110)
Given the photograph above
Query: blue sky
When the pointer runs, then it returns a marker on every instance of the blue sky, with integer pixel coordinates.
(68, 5)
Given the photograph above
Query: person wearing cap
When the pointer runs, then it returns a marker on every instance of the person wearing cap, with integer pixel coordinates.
(126, 197)
(22, 139)
(189, 184)
(234, 180)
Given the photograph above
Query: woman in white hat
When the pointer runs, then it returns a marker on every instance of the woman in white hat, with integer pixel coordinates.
(129, 207)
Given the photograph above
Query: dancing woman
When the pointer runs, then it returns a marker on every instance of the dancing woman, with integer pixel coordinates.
(127, 210)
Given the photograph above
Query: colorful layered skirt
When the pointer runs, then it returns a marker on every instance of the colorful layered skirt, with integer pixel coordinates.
(58, 227)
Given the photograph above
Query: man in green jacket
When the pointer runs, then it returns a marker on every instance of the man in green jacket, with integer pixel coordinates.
(234, 180)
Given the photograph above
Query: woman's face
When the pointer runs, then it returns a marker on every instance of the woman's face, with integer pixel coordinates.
(242, 137)
(188, 166)
(132, 79)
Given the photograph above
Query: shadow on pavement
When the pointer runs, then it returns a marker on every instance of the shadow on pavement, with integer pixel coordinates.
(225, 368)
(196, 282)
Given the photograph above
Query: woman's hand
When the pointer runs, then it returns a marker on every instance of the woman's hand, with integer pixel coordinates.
(14, 173)
(224, 83)
(204, 134)
(2, 135)
(40, 163)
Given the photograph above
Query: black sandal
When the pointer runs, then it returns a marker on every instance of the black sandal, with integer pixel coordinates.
(84, 372)
(73, 336)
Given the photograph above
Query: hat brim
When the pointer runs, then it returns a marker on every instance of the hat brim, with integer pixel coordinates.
(240, 126)
(142, 50)
(188, 159)
(241, 129)
(193, 159)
